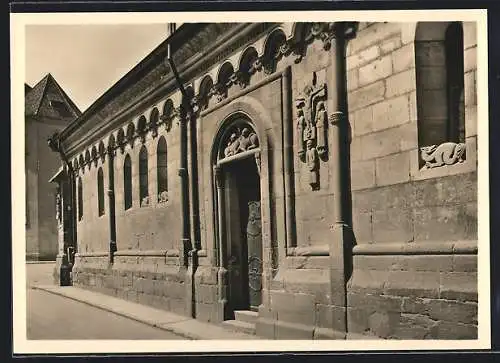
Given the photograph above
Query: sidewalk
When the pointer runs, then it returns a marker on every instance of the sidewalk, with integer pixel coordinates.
(186, 327)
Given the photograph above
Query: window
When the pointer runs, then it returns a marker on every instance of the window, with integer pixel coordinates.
(100, 192)
(162, 171)
(80, 199)
(454, 44)
(439, 61)
(143, 176)
(127, 182)
(61, 108)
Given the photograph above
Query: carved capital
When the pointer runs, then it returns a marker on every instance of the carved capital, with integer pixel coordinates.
(336, 118)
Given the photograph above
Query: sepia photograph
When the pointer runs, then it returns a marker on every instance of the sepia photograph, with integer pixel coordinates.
(302, 181)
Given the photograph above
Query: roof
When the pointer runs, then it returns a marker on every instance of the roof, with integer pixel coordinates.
(33, 98)
(27, 88)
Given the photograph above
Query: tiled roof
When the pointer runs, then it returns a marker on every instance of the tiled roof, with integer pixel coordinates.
(34, 97)
(27, 88)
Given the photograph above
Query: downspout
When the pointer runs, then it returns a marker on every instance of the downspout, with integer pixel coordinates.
(111, 198)
(54, 144)
(185, 112)
(343, 238)
(189, 256)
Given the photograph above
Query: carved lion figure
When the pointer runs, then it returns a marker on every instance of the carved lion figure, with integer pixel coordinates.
(447, 153)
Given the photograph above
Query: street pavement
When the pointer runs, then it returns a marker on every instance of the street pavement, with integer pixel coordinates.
(51, 316)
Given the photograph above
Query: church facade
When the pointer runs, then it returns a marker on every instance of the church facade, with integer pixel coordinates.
(292, 180)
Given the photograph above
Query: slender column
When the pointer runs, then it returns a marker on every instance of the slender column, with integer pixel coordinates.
(111, 198)
(342, 239)
(195, 221)
(193, 182)
(288, 158)
(183, 173)
(222, 271)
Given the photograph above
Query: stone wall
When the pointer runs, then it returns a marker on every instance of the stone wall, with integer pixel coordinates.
(414, 265)
(408, 282)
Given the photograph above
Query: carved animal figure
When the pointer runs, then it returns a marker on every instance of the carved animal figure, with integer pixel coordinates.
(447, 153)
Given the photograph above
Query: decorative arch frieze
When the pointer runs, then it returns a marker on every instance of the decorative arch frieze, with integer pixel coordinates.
(87, 158)
(102, 151)
(120, 139)
(93, 156)
(264, 53)
(154, 119)
(130, 134)
(168, 114)
(142, 128)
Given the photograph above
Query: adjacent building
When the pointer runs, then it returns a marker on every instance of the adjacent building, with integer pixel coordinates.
(296, 180)
(47, 109)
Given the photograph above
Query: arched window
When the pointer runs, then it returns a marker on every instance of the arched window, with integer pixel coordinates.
(439, 62)
(143, 176)
(454, 45)
(127, 182)
(80, 199)
(162, 171)
(100, 192)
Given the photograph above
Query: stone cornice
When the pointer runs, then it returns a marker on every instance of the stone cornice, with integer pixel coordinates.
(190, 60)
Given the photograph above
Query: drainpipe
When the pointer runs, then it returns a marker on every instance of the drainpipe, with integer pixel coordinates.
(185, 112)
(54, 144)
(189, 254)
(343, 238)
(111, 198)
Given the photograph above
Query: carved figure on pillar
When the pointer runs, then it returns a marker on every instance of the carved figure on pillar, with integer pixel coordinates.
(311, 127)
(312, 161)
(301, 124)
(321, 124)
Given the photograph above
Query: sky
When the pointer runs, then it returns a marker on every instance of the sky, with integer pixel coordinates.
(86, 60)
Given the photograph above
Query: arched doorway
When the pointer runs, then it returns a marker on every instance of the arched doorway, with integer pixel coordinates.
(238, 200)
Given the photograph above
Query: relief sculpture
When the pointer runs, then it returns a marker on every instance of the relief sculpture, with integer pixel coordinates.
(311, 128)
(448, 153)
(247, 140)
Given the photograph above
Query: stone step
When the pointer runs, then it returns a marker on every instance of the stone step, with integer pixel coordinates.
(247, 316)
(239, 326)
